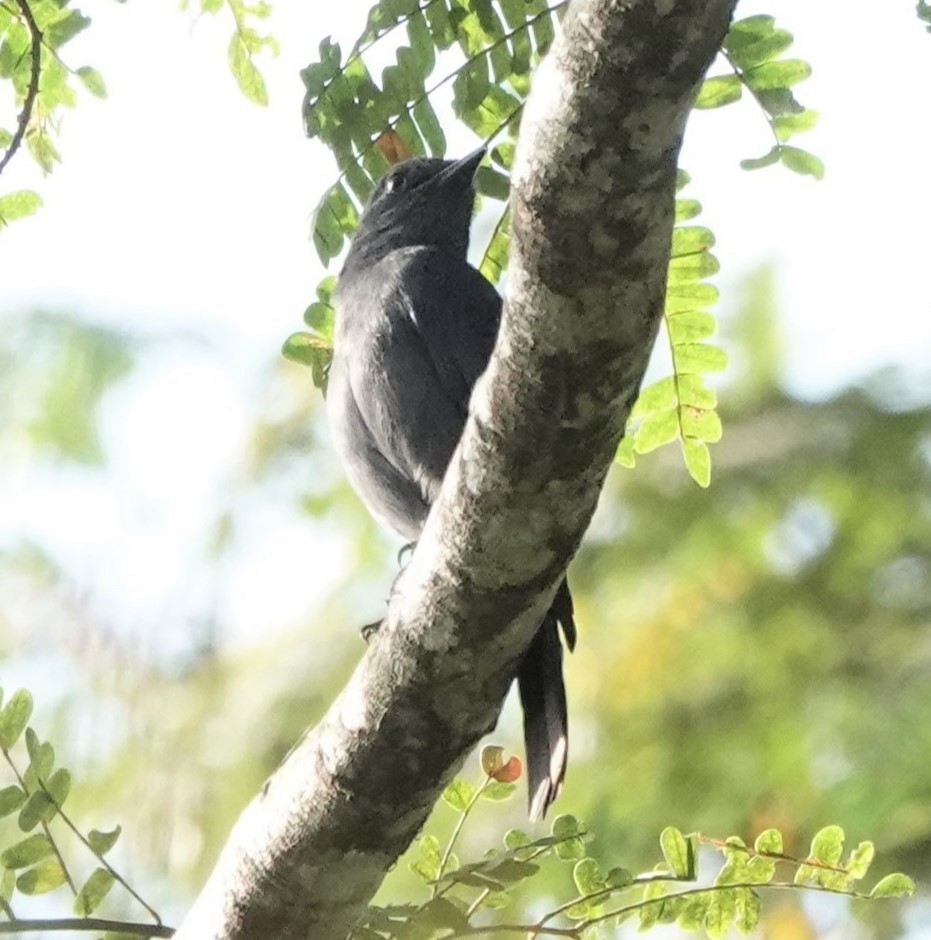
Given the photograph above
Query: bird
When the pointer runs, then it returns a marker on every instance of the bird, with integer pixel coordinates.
(415, 328)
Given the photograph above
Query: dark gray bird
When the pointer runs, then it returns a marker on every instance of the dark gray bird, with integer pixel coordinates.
(415, 328)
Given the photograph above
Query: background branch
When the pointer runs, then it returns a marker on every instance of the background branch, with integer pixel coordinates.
(35, 48)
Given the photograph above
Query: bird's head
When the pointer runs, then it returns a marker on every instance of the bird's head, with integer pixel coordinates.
(419, 202)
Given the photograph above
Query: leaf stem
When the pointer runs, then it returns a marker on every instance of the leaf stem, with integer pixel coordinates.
(454, 836)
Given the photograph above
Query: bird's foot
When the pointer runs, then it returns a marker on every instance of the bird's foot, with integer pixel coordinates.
(407, 549)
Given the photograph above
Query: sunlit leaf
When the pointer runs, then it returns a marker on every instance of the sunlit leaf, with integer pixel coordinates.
(92, 892)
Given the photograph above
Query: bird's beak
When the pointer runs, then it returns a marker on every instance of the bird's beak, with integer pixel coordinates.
(466, 168)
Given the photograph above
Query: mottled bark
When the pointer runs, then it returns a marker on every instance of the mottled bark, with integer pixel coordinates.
(592, 210)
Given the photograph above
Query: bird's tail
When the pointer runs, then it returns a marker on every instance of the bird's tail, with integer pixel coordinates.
(543, 697)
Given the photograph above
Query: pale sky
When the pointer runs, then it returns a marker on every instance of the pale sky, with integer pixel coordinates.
(180, 203)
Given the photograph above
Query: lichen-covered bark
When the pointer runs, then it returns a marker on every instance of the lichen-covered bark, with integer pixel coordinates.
(592, 207)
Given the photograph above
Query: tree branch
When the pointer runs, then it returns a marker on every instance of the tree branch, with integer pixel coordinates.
(592, 203)
(35, 46)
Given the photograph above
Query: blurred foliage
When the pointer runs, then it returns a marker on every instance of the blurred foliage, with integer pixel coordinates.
(753, 656)
(54, 371)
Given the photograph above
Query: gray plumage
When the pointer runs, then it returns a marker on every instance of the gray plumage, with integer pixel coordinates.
(415, 327)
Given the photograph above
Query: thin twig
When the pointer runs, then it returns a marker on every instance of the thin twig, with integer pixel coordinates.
(88, 924)
(35, 43)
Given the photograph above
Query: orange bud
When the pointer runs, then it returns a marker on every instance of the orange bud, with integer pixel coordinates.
(392, 147)
(510, 772)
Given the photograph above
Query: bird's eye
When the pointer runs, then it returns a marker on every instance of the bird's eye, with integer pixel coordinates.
(394, 183)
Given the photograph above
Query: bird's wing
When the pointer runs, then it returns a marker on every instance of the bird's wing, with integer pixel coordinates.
(416, 357)
(457, 312)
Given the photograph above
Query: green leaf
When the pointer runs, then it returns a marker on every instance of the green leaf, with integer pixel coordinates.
(59, 786)
(690, 327)
(750, 29)
(691, 239)
(319, 317)
(719, 90)
(15, 716)
(27, 852)
(759, 870)
(42, 149)
(248, 77)
(693, 912)
(860, 860)
(512, 870)
(441, 27)
(693, 267)
(660, 396)
(694, 391)
(778, 101)
(41, 761)
(769, 840)
(308, 350)
(828, 845)
(11, 799)
(748, 911)
(429, 125)
(38, 808)
(678, 852)
(498, 790)
(625, 455)
(700, 424)
(570, 831)
(516, 839)
(490, 182)
(650, 914)
(427, 864)
(618, 878)
(66, 28)
(748, 55)
(93, 892)
(211, 6)
(655, 430)
(334, 218)
(588, 876)
(683, 296)
(782, 74)
(721, 910)
(8, 884)
(101, 841)
(787, 125)
(46, 876)
(895, 885)
(687, 209)
(18, 205)
(801, 161)
(459, 794)
(93, 81)
(699, 357)
(442, 914)
(697, 460)
(757, 163)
